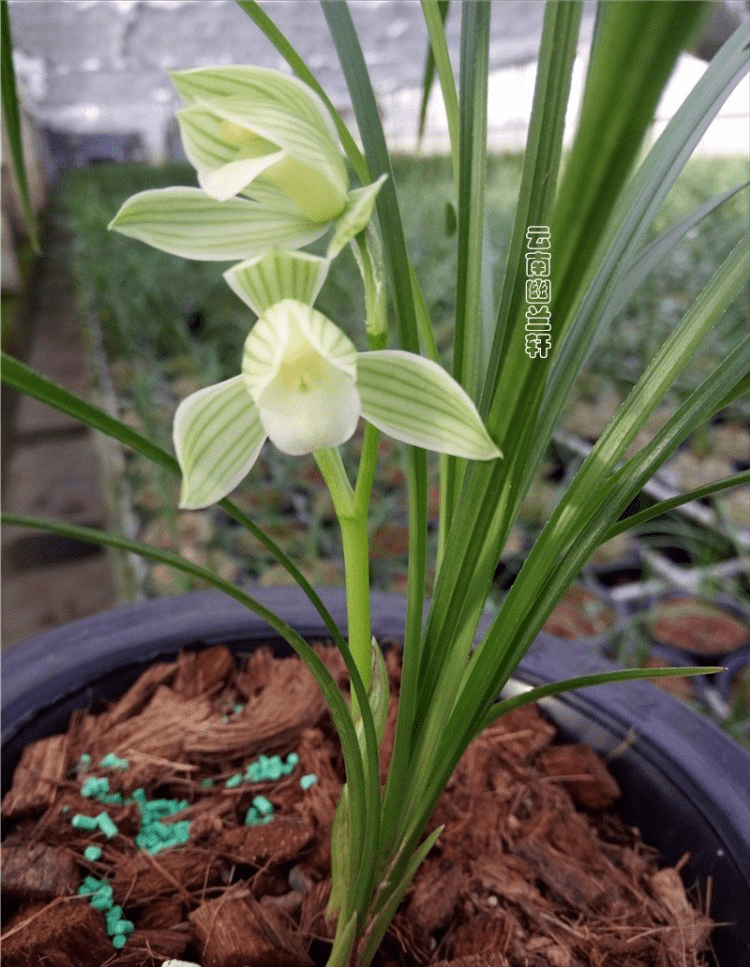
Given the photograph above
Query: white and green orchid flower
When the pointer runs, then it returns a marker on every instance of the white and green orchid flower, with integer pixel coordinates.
(247, 123)
(304, 386)
(269, 168)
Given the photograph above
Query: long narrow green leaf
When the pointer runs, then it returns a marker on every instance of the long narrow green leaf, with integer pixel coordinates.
(13, 122)
(538, 183)
(400, 880)
(472, 167)
(435, 14)
(636, 209)
(24, 379)
(636, 47)
(593, 501)
(589, 488)
(642, 265)
(370, 127)
(536, 694)
(663, 506)
(471, 264)
(576, 529)
(462, 583)
(346, 934)
(487, 506)
(612, 500)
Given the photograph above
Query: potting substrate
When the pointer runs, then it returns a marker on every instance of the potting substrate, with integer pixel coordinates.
(192, 819)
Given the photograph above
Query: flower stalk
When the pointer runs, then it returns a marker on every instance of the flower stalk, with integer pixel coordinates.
(353, 521)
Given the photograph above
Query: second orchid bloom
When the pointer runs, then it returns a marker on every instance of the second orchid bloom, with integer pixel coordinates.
(304, 386)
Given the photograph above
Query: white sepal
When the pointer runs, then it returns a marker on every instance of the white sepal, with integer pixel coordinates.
(217, 436)
(186, 222)
(414, 400)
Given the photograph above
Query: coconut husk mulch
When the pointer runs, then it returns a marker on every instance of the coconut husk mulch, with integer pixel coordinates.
(533, 868)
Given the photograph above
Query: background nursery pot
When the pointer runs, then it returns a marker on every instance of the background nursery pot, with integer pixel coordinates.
(684, 782)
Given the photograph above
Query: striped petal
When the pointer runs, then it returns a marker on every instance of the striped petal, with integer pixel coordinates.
(276, 275)
(217, 437)
(249, 81)
(186, 222)
(313, 171)
(224, 168)
(206, 146)
(414, 400)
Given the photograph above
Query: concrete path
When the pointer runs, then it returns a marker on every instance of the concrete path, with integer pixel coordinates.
(51, 468)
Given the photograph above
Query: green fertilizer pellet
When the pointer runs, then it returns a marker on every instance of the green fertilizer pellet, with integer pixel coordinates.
(112, 761)
(95, 787)
(106, 825)
(79, 821)
(264, 807)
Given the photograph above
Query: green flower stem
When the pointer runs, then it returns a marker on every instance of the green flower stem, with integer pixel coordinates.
(367, 465)
(352, 517)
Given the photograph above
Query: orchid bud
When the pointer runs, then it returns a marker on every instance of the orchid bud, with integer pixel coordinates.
(247, 124)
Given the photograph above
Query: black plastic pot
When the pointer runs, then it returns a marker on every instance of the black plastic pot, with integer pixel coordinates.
(686, 785)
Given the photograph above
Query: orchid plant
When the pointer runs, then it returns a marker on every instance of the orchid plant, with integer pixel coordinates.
(275, 166)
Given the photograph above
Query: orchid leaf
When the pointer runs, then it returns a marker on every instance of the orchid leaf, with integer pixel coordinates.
(186, 222)
(218, 436)
(435, 14)
(539, 692)
(415, 401)
(277, 275)
(644, 263)
(663, 506)
(346, 934)
(12, 119)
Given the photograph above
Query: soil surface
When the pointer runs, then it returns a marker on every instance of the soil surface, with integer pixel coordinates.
(533, 867)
